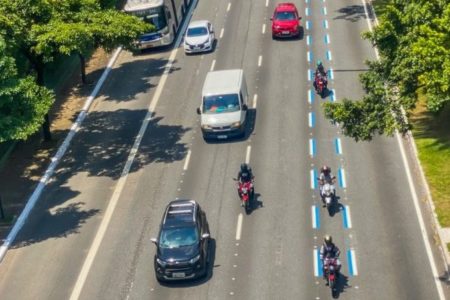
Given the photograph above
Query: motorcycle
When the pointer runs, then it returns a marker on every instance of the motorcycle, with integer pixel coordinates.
(246, 192)
(331, 272)
(327, 192)
(320, 84)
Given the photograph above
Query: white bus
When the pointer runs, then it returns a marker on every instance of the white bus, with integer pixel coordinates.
(166, 15)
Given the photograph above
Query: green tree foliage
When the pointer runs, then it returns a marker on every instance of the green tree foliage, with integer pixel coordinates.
(413, 39)
(38, 31)
(23, 103)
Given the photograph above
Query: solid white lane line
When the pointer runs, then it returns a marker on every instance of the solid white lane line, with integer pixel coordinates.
(267, 3)
(213, 64)
(239, 227)
(263, 28)
(123, 176)
(229, 6)
(247, 154)
(259, 61)
(221, 33)
(186, 162)
(412, 189)
(31, 202)
(255, 100)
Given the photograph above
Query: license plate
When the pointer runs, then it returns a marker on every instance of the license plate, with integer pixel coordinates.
(221, 136)
(285, 32)
(179, 275)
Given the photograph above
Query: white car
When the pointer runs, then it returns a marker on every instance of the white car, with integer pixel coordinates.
(199, 37)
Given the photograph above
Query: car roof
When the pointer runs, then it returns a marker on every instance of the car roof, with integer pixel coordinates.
(180, 212)
(222, 81)
(285, 6)
(200, 23)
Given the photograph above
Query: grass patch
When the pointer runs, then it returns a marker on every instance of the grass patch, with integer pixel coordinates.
(432, 136)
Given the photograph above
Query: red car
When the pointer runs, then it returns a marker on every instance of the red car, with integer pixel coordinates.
(285, 21)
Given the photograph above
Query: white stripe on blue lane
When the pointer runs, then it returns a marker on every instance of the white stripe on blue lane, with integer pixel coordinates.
(327, 39)
(313, 174)
(338, 145)
(315, 217)
(309, 56)
(308, 40)
(346, 217)
(318, 272)
(333, 95)
(324, 11)
(308, 25)
(329, 55)
(306, 1)
(310, 96)
(312, 147)
(325, 24)
(311, 119)
(330, 73)
(352, 268)
(341, 175)
(309, 74)
(307, 11)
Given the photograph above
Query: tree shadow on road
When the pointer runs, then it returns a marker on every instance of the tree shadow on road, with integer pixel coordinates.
(100, 149)
(352, 13)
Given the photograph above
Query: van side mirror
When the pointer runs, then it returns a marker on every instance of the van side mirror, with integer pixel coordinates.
(244, 107)
(154, 241)
(271, 18)
(198, 111)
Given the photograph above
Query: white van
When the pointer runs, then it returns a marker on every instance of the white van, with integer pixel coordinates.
(223, 109)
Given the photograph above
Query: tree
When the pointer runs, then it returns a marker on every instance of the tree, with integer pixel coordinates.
(40, 30)
(23, 103)
(413, 39)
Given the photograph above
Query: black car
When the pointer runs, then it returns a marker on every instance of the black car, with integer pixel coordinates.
(182, 246)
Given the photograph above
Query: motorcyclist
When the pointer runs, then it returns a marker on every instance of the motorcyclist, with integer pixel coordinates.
(329, 250)
(320, 74)
(325, 177)
(245, 173)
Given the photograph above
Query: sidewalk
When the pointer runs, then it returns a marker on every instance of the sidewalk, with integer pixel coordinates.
(27, 162)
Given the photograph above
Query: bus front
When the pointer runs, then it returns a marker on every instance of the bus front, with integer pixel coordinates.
(153, 12)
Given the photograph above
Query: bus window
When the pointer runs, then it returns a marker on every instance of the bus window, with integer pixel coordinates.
(155, 17)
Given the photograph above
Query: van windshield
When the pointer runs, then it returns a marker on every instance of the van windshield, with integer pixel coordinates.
(221, 103)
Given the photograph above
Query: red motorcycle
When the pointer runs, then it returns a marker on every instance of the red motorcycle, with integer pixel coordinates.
(331, 271)
(246, 192)
(320, 84)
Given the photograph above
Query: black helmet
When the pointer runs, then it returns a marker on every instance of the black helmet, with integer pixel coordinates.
(326, 168)
(244, 167)
(328, 239)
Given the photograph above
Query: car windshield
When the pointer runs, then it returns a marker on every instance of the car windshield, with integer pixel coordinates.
(178, 237)
(220, 103)
(197, 31)
(285, 16)
(154, 16)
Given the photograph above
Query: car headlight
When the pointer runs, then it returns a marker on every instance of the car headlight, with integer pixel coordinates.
(236, 124)
(162, 263)
(194, 260)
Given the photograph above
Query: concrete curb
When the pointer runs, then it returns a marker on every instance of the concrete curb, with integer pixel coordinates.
(436, 227)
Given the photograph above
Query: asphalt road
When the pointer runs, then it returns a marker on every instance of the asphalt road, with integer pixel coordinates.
(273, 255)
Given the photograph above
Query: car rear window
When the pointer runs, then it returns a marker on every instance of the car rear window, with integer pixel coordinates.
(221, 103)
(285, 15)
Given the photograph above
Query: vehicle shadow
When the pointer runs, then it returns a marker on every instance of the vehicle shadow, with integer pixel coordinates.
(255, 203)
(340, 286)
(335, 207)
(199, 281)
(352, 13)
